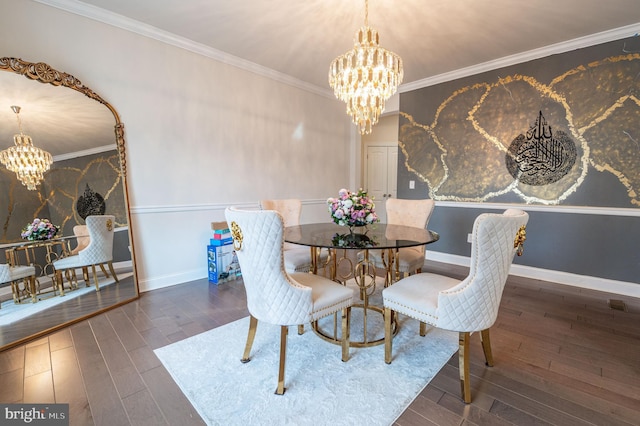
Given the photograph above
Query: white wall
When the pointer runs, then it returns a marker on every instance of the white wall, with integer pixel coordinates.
(200, 134)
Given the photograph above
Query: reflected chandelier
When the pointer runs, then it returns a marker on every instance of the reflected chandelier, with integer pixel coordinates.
(27, 161)
(366, 76)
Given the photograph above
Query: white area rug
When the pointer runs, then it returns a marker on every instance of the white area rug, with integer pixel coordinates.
(11, 312)
(320, 388)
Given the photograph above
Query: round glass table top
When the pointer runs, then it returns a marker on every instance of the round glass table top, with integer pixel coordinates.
(378, 235)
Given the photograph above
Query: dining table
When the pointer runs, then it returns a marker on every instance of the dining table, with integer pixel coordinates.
(25, 253)
(348, 261)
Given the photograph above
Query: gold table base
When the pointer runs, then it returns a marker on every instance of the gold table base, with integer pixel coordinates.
(363, 272)
(366, 343)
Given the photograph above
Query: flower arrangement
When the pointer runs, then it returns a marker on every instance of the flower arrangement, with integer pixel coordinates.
(39, 229)
(352, 208)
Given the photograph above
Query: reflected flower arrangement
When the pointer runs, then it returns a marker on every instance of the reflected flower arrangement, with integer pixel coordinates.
(353, 240)
(39, 230)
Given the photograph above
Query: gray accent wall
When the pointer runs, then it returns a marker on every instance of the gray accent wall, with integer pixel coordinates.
(601, 240)
(593, 245)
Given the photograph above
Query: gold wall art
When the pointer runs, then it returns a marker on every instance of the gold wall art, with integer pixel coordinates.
(515, 136)
(57, 197)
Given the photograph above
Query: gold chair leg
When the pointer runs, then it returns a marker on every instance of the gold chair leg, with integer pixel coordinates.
(70, 275)
(301, 329)
(346, 327)
(253, 325)
(113, 272)
(104, 270)
(60, 282)
(95, 277)
(463, 365)
(73, 279)
(423, 328)
(32, 288)
(284, 330)
(15, 290)
(85, 276)
(387, 335)
(486, 347)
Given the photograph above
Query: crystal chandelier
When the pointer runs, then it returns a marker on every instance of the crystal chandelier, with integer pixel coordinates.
(366, 76)
(27, 161)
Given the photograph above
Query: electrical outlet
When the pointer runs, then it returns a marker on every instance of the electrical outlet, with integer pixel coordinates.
(412, 184)
(469, 236)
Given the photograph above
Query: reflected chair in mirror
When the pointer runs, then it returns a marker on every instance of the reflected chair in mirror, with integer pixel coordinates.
(275, 296)
(413, 213)
(82, 241)
(463, 306)
(13, 275)
(296, 258)
(98, 252)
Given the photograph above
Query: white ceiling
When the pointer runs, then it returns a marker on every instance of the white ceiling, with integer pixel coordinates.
(298, 39)
(58, 119)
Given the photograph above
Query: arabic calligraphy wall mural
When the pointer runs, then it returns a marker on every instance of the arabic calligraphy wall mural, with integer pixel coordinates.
(547, 132)
(541, 157)
(58, 196)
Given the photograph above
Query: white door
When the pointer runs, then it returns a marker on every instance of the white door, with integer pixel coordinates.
(382, 175)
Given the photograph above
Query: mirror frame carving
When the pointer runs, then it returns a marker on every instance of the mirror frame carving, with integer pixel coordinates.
(44, 73)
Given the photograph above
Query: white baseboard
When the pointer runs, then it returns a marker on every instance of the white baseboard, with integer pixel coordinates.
(170, 280)
(582, 281)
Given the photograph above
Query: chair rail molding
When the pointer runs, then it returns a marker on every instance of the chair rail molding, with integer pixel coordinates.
(318, 206)
(600, 211)
(560, 277)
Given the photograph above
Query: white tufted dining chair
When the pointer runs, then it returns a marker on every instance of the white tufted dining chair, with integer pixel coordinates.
(82, 241)
(99, 251)
(464, 306)
(275, 296)
(296, 258)
(414, 213)
(14, 274)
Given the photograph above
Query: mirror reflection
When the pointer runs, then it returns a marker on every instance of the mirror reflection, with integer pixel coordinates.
(86, 179)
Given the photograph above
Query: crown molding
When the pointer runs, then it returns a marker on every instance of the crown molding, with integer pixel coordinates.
(518, 58)
(131, 25)
(96, 150)
(145, 30)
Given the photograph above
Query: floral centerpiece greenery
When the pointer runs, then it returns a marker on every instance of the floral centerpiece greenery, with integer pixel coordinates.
(353, 241)
(352, 208)
(39, 229)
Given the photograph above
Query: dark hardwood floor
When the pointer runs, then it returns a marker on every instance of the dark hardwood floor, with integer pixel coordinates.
(72, 309)
(562, 357)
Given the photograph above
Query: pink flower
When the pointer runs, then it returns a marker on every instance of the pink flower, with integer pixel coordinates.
(352, 209)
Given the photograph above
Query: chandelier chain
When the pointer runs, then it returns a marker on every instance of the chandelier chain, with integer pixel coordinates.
(16, 109)
(366, 13)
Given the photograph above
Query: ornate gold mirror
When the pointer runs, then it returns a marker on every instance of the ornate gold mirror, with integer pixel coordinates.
(88, 176)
